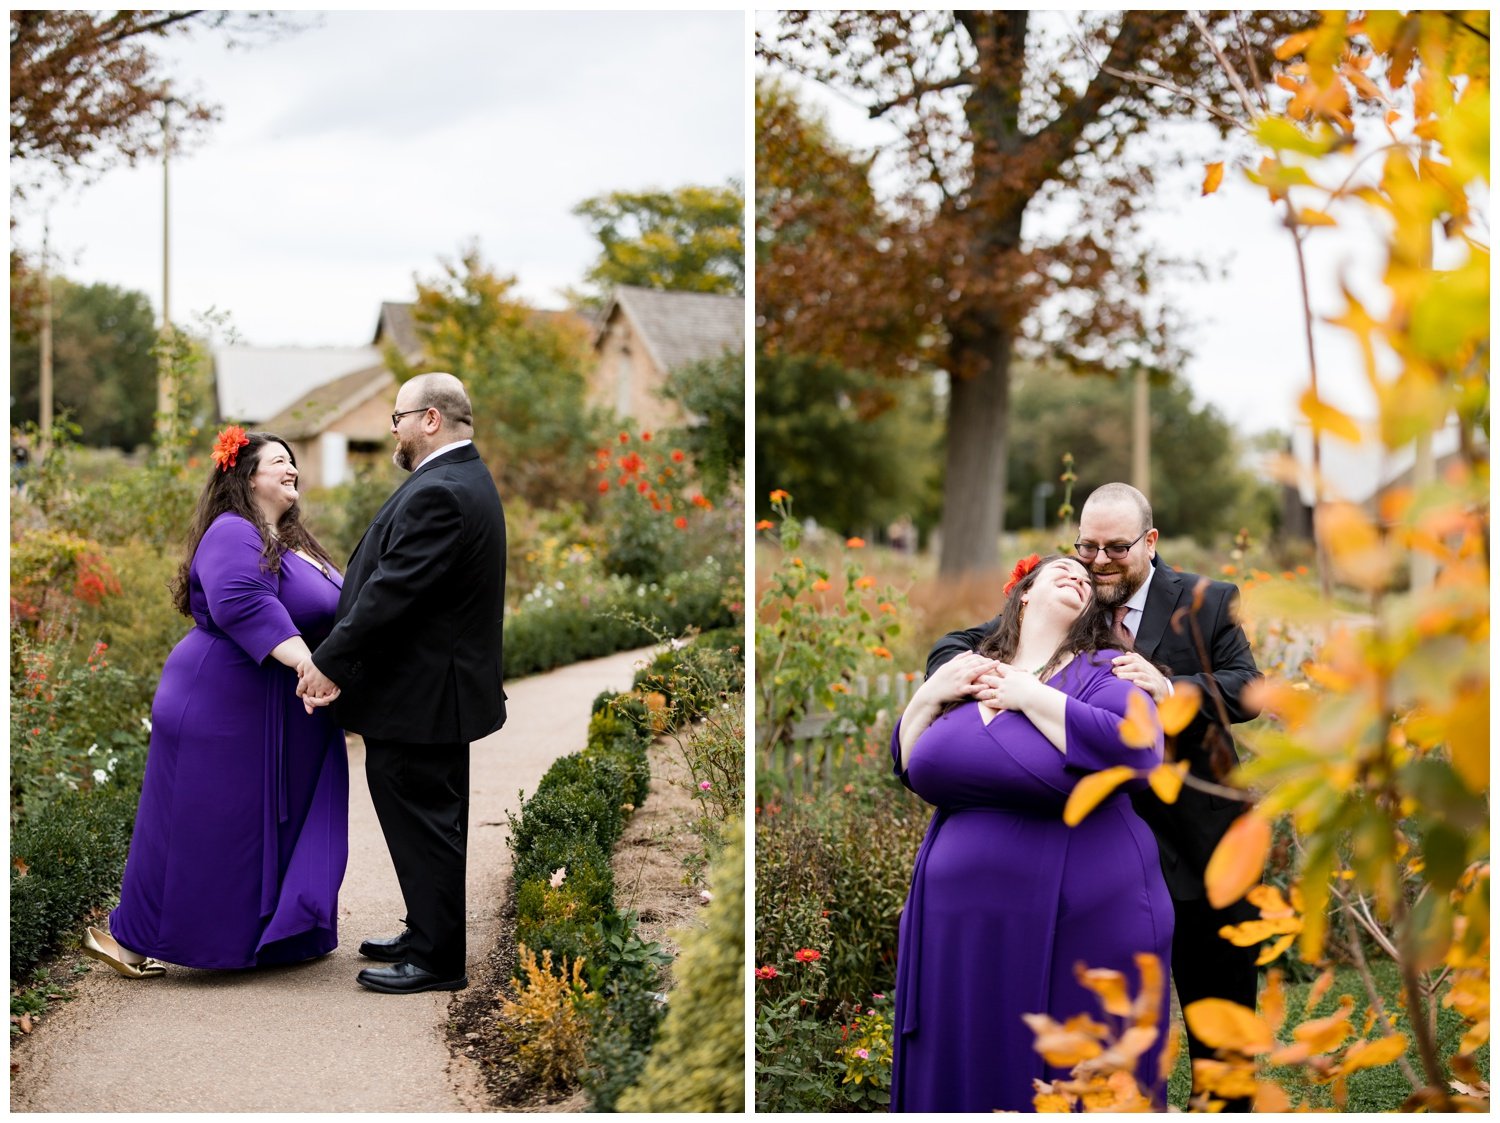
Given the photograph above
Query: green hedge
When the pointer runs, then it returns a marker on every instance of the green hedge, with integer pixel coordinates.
(73, 853)
(626, 616)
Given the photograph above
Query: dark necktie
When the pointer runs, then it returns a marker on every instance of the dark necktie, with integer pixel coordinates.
(1122, 633)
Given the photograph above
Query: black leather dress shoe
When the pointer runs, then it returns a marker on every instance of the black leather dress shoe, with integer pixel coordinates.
(406, 978)
(390, 949)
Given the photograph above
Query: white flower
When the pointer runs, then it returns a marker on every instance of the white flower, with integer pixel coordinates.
(548, 602)
(559, 585)
(146, 721)
(111, 762)
(93, 748)
(676, 644)
(100, 775)
(705, 896)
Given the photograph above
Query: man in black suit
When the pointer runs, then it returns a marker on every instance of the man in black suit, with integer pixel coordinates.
(1118, 542)
(413, 665)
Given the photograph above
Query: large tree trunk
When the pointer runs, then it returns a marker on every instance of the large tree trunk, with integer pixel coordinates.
(978, 422)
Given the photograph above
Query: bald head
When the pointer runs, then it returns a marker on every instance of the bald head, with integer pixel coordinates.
(1119, 495)
(441, 391)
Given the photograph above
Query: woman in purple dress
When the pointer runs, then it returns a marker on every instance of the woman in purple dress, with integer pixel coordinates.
(1006, 898)
(242, 835)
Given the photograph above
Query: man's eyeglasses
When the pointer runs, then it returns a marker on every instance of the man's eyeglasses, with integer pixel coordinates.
(1115, 551)
(396, 417)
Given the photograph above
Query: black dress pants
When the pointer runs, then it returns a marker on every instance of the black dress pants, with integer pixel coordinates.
(421, 797)
(1205, 965)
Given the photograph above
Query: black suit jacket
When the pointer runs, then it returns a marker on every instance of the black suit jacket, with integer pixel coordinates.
(1188, 830)
(416, 644)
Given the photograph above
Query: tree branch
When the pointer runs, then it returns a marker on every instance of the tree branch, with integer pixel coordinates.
(122, 27)
(880, 108)
(1377, 1003)
(1229, 70)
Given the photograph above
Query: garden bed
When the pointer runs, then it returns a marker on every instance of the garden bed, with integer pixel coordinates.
(648, 863)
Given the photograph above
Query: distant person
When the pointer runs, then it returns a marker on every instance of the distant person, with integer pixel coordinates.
(1117, 540)
(1005, 897)
(416, 651)
(20, 467)
(242, 834)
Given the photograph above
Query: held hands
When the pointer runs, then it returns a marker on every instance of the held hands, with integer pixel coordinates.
(1007, 687)
(313, 686)
(1133, 667)
(956, 680)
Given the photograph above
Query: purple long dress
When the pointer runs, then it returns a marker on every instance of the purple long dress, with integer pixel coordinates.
(1006, 898)
(242, 836)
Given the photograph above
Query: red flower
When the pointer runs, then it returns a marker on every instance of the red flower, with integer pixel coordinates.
(643, 487)
(645, 436)
(227, 447)
(603, 485)
(764, 524)
(677, 455)
(855, 543)
(766, 972)
(807, 955)
(1023, 567)
(624, 438)
(680, 523)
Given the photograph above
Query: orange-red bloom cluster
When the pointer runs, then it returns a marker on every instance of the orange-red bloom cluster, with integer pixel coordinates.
(807, 955)
(227, 447)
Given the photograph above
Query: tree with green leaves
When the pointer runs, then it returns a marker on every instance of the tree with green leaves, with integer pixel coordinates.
(994, 118)
(690, 239)
(525, 371)
(104, 370)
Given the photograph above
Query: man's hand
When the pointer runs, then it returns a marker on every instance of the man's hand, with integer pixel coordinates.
(1133, 667)
(313, 686)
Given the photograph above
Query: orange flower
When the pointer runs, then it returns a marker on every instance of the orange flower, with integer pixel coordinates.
(779, 496)
(764, 524)
(865, 583)
(645, 436)
(677, 455)
(603, 486)
(880, 652)
(797, 562)
(839, 688)
(227, 447)
(680, 523)
(820, 586)
(1228, 570)
(855, 543)
(887, 607)
(624, 438)
(807, 955)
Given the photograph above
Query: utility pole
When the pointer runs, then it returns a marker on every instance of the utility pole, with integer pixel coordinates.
(1140, 449)
(165, 403)
(44, 392)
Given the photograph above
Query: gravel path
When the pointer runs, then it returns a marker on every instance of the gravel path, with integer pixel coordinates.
(307, 1037)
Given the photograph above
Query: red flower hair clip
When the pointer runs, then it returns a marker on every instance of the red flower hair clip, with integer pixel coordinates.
(1023, 567)
(227, 447)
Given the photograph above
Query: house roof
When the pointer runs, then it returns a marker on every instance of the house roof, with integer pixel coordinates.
(397, 326)
(256, 383)
(323, 405)
(678, 327)
(1360, 472)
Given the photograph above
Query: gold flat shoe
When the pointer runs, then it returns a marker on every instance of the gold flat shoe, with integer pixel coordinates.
(103, 947)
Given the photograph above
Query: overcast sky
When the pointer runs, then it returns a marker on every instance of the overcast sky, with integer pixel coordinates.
(1246, 335)
(359, 151)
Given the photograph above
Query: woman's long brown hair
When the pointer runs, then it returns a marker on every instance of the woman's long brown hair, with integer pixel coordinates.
(230, 491)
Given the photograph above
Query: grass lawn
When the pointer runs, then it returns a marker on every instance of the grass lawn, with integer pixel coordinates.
(1377, 1089)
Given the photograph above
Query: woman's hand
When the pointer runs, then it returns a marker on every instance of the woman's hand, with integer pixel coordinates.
(1006, 687)
(956, 680)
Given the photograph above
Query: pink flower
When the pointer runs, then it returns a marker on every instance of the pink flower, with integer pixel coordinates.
(766, 972)
(862, 1054)
(705, 786)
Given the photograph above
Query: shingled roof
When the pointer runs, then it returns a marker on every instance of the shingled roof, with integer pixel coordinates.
(679, 327)
(255, 383)
(396, 325)
(325, 404)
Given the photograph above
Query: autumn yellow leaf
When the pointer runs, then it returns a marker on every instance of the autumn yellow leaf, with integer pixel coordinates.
(1359, 557)
(1469, 738)
(1166, 780)
(1270, 1098)
(1139, 726)
(1328, 418)
(1238, 860)
(1307, 216)
(1147, 1007)
(1223, 1079)
(1252, 932)
(1271, 952)
(1050, 1102)
(1373, 1054)
(1169, 1052)
(1057, 1045)
(1273, 1000)
(1222, 1024)
(1213, 175)
(1108, 985)
(1091, 791)
(1293, 45)
(1319, 988)
(1180, 708)
(1322, 1035)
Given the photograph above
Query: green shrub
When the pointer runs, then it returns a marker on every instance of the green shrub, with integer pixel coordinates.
(579, 624)
(65, 859)
(562, 918)
(698, 1063)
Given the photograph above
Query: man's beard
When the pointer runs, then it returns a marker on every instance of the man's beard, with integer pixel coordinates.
(1110, 596)
(402, 456)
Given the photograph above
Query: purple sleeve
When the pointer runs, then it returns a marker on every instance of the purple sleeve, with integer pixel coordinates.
(241, 594)
(1094, 708)
(896, 751)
